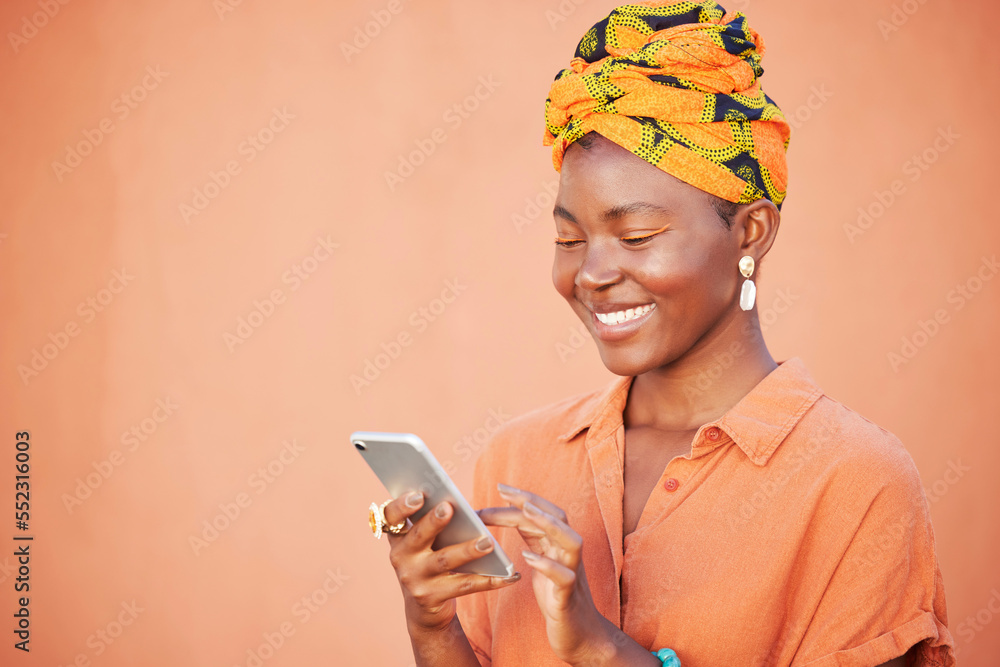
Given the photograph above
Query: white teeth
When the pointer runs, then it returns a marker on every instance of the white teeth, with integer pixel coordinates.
(621, 316)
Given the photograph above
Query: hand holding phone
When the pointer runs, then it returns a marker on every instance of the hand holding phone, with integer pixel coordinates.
(404, 464)
(433, 569)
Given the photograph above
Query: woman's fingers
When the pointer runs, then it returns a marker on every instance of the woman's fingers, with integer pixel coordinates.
(447, 559)
(556, 529)
(517, 498)
(560, 575)
(541, 531)
(533, 524)
(426, 576)
(422, 533)
(421, 536)
(559, 533)
(431, 592)
(510, 517)
(402, 508)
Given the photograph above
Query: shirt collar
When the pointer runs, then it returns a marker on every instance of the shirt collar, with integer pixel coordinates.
(601, 408)
(758, 423)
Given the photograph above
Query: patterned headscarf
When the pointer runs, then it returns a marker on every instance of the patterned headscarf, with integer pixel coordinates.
(676, 83)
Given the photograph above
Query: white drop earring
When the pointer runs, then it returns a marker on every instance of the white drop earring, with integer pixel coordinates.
(748, 295)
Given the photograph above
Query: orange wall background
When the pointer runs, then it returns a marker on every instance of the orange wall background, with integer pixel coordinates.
(153, 410)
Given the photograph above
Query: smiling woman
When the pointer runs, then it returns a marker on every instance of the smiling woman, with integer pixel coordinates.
(619, 216)
(752, 521)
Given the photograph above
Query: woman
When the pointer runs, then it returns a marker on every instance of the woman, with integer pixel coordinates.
(724, 507)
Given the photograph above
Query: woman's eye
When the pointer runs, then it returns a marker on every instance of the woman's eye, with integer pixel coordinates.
(568, 243)
(639, 240)
(636, 240)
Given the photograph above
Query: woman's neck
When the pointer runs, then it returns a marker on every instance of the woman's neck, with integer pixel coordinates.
(702, 385)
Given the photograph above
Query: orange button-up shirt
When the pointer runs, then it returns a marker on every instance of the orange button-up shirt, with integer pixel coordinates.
(795, 532)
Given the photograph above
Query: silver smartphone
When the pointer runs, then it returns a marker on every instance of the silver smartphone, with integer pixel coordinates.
(403, 463)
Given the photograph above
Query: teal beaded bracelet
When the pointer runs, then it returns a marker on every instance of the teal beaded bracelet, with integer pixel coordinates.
(667, 657)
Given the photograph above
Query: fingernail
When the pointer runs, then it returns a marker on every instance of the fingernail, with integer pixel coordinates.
(441, 511)
(530, 555)
(532, 510)
(415, 499)
(484, 544)
(513, 577)
(507, 490)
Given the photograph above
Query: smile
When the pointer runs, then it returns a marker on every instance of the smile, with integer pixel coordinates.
(622, 316)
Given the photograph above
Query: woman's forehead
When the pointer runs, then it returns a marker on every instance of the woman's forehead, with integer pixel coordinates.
(606, 172)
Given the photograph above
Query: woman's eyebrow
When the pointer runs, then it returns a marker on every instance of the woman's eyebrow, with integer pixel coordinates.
(561, 212)
(616, 212)
(623, 210)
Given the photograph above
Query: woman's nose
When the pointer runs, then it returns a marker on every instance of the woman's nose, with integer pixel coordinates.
(599, 269)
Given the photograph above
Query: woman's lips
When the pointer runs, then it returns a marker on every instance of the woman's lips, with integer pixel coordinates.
(619, 324)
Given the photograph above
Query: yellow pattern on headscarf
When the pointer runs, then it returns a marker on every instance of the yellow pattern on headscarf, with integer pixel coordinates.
(676, 83)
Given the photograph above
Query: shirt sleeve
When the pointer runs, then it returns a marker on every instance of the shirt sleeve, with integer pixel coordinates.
(886, 596)
(473, 609)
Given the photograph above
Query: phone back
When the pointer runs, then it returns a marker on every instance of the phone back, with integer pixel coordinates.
(403, 463)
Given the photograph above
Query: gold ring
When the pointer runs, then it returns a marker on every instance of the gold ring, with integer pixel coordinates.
(378, 524)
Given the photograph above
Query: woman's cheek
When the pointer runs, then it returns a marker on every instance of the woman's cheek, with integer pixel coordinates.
(663, 278)
(564, 275)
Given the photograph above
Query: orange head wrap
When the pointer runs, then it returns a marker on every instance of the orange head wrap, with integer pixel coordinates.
(676, 83)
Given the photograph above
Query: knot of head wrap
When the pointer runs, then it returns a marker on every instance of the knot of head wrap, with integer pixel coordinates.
(676, 83)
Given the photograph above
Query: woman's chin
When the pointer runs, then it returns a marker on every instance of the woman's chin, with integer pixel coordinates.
(625, 364)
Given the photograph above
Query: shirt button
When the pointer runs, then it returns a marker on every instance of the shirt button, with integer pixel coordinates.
(712, 433)
(671, 484)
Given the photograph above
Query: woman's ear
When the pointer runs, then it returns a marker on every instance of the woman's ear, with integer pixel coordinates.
(759, 223)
